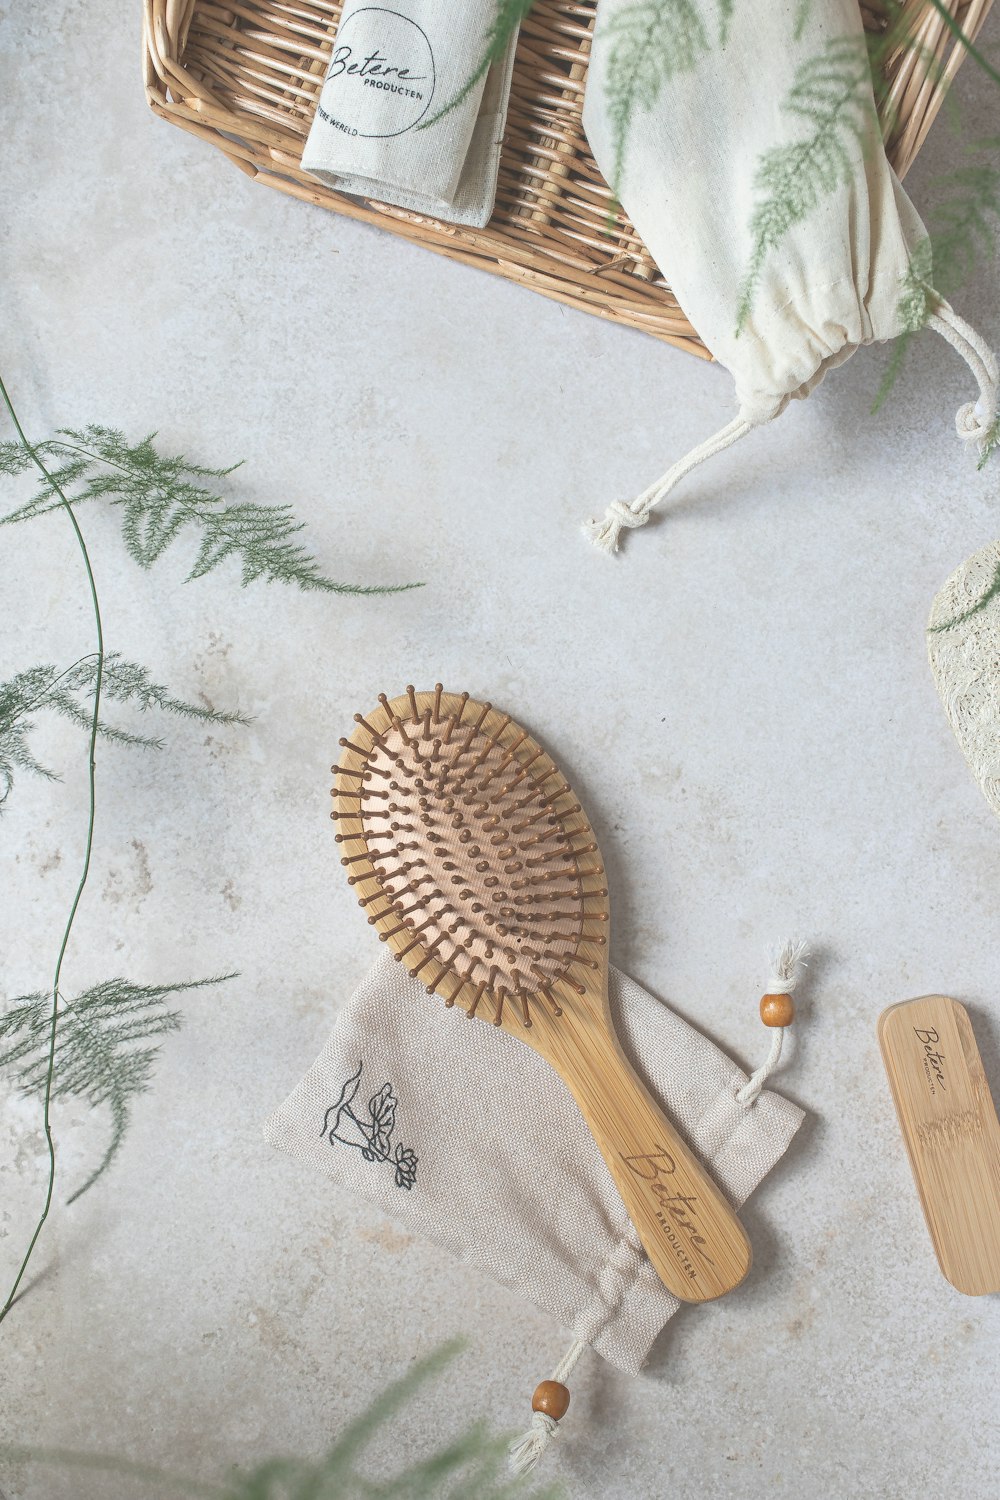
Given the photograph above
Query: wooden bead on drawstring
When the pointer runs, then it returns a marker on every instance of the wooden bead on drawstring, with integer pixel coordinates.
(551, 1398)
(777, 1010)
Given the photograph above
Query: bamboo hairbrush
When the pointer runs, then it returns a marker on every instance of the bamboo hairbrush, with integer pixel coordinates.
(479, 867)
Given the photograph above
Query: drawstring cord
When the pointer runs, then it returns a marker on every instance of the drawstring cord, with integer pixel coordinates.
(776, 1010)
(976, 422)
(627, 514)
(526, 1450)
(551, 1399)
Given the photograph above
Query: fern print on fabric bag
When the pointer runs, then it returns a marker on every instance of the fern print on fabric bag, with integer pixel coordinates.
(650, 42)
(832, 95)
(963, 223)
(768, 204)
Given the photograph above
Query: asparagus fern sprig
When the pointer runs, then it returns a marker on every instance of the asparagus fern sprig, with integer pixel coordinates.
(832, 94)
(160, 498)
(69, 693)
(99, 1052)
(470, 1467)
(961, 228)
(508, 17)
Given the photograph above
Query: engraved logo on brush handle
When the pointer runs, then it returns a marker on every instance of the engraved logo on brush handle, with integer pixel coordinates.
(677, 1213)
(933, 1058)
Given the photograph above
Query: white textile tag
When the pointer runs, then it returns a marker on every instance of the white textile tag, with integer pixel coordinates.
(376, 134)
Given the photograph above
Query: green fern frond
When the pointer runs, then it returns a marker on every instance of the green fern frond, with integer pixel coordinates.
(961, 229)
(989, 444)
(509, 15)
(159, 499)
(964, 223)
(70, 693)
(651, 42)
(832, 93)
(98, 1053)
(472, 1467)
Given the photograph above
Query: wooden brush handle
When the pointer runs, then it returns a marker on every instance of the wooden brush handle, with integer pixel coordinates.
(696, 1243)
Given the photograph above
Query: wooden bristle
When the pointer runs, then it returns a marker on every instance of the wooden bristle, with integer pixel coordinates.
(476, 862)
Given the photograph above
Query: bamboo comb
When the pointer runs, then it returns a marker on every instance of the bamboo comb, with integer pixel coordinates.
(479, 867)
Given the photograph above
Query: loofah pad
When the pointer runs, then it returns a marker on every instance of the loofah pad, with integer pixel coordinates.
(963, 641)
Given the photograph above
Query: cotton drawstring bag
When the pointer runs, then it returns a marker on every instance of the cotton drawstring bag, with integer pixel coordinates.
(397, 119)
(430, 1119)
(744, 145)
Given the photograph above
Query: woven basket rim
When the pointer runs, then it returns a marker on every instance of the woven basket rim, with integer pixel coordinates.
(245, 78)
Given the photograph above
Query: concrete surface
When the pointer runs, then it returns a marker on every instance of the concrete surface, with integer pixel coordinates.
(742, 696)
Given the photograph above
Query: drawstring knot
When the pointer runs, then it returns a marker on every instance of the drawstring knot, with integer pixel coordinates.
(526, 1450)
(969, 423)
(786, 963)
(549, 1405)
(622, 514)
(976, 421)
(619, 516)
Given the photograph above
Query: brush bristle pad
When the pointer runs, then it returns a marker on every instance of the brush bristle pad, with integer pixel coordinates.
(475, 860)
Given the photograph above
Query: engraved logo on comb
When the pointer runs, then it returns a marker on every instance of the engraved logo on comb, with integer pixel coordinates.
(676, 1212)
(933, 1059)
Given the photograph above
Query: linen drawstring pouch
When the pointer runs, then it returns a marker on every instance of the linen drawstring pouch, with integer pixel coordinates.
(963, 642)
(744, 144)
(468, 1138)
(398, 119)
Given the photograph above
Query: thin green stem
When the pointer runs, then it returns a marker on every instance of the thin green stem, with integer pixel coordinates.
(974, 609)
(967, 43)
(92, 768)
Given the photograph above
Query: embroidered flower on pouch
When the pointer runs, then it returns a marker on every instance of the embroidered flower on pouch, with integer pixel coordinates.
(371, 1136)
(382, 1108)
(406, 1167)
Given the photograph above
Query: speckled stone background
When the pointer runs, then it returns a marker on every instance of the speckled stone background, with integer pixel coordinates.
(742, 696)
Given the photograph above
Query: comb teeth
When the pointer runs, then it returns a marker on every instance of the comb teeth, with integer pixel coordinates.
(508, 884)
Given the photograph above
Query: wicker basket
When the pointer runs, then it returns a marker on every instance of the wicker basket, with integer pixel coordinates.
(246, 77)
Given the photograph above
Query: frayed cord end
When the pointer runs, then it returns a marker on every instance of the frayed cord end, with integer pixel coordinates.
(979, 423)
(526, 1450)
(785, 964)
(549, 1404)
(624, 515)
(619, 516)
(786, 960)
(976, 422)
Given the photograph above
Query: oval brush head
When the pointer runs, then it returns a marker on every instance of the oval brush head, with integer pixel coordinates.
(476, 863)
(473, 858)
